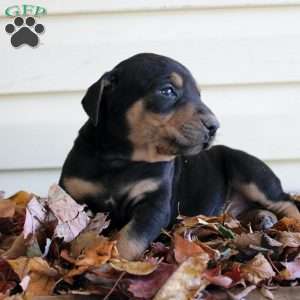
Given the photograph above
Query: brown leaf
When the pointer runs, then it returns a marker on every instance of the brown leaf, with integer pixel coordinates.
(291, 271)
(192, 221)
(95, 255)
(185, 280)
(72, 218)
(21, 198)
(8, 277)
(147, 286)
(243, 240)
(234, 273)
(18, 248)
(266, 293)
(23, 265)
(36, 214)
(185, 249)
(133, 267)
(287, 224)
(84, 240)
(98, 223)
(257, 269)
(215, 277)
(241, 295)
(7, 209)
(42, 276)
(288, 239)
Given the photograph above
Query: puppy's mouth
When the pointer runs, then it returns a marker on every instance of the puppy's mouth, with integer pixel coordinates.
(177, 148)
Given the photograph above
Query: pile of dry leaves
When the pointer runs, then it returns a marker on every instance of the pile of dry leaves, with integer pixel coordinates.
(52, 246)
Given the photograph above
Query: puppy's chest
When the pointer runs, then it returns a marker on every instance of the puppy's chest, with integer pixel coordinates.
(109, 194)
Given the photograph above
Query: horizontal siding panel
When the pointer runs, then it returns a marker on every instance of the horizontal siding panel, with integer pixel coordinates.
(221, 47)
(92, 6)
(39, 181)
(38, 130)
(35, 181)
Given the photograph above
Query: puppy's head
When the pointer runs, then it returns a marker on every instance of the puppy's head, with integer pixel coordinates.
(152, 103)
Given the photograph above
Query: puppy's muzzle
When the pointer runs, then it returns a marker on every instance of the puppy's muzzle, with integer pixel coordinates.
(211, 125)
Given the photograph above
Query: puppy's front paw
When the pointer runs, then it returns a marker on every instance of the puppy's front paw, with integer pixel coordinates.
(259, 219)
(129, 247)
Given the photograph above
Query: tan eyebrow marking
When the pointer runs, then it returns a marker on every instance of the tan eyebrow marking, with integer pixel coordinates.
(176, 79)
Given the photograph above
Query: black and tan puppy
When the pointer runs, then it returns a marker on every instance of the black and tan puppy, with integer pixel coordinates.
(140, 155)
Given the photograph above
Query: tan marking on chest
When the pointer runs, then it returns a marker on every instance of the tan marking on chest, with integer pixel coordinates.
(79, 188)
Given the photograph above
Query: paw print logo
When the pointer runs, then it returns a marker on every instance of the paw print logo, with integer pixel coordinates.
(27, 33)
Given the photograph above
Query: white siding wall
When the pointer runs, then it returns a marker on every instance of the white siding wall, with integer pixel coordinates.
(245, 54)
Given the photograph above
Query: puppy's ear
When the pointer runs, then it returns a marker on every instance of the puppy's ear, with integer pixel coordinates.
(92, 99)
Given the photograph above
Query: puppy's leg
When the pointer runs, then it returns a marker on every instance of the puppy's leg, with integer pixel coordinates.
(150, 215)
(256, 182)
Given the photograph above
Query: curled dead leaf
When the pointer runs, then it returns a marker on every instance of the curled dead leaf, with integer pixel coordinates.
(147, 286)
(96, 254)
(36, 213)
(21, 199)
(7, 209)
(133, 267)
(186, 280)
(184, 249)
(291, 271)
(243, 240)
(257, 269)
(72, 218)
(215, 277)
(42, 277)
(287, 224)
(288, 239)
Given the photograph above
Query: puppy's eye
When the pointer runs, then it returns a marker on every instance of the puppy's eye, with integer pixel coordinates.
(168, 91)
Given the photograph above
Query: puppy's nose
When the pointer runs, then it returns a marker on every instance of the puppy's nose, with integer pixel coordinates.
(213, 129)
(212, 124)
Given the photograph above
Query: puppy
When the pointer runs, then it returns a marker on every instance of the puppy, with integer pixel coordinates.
(143, 155)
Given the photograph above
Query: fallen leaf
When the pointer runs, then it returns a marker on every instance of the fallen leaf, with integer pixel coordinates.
(266, 293)
(18, 248)
(36, 213)
(95, 255)
(72, 218)
(84, 240)
(192, 221)
(242, 294)
(21, 198)
(287, 224)
(185, 280)
(257, 269)
(225, 232)
(185, 249)
(243, 240)
(147, 286)
(42, 276)
(288, 239)
(7, 209)
(23, 265)
(215, 277)
(98, 223)
(291, 271)
(234, 273)
(8, 277)
(133, 267)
